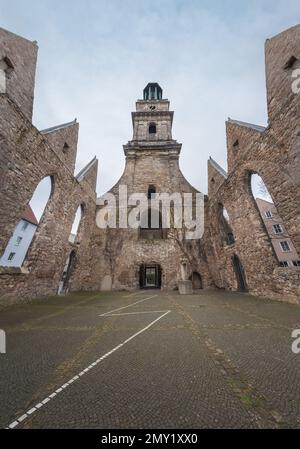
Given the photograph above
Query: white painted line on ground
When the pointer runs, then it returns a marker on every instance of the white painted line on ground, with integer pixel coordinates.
(63, 387)
(22, 418)
(134, 313)
(134, 294)
(129, 305)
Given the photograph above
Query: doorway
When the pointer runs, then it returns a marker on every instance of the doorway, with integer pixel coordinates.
(196, 280)
(240, 274)
(150, 276)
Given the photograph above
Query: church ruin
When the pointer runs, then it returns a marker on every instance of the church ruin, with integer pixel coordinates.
(234, 252)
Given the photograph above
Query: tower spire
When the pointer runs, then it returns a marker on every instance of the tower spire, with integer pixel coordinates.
(152, 124)
(152, 91)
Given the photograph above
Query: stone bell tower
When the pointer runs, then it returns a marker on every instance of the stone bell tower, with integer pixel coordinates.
(152, 123)
(148, 256)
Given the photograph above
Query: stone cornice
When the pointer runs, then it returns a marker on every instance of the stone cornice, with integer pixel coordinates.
(152, 115)
(140, 147)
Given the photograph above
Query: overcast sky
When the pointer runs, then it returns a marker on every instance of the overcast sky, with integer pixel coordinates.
(96, 56)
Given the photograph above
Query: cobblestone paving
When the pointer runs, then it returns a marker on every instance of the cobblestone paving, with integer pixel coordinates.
(150, 359)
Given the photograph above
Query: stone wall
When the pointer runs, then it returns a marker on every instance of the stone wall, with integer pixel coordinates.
(274, 154)
(110, 259)
(26, 157)
(20, 55)
(118, 254)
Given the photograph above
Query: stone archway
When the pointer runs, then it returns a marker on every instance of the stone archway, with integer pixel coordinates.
(196, 281)
(150, 276)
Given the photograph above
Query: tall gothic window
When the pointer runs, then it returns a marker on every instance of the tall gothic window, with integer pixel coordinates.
(151, 225)
(226, 225)
(24, 232)
(73, 238)
(272, 221)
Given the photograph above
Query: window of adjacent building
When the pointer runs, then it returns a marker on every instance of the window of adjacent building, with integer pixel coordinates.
(268, 214)
(285, 246)
(284, 263)
(11, 256)
(278, 229)
(25, 226)
(19, 240)
(296, 263)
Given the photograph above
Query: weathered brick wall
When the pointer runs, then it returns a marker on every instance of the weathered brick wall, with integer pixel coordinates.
(22, 55)
(273, 153)
(118, 254)
(111, 258)
(278, 53)
(26, 157)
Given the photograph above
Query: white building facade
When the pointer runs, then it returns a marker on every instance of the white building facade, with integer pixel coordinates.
(17, 247)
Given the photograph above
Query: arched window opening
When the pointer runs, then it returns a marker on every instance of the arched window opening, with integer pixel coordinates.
(151, 219)
(273, 223)
(151, 225)
(239, 273)
(63, 287)
(6, 64)
(73, 238)
(41, 197)
(290, 63)
(236, 145)
(259, 188)
(6, 68)
(20, 241)
(152, 129)
(66, 148)
(196, 281)
(226, 225)
(151, 192)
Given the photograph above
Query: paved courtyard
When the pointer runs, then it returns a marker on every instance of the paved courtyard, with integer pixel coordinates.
(150, 359)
